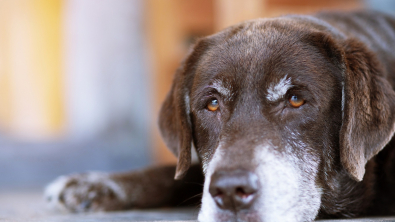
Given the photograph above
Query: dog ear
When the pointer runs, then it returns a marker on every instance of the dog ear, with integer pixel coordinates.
(368, 101)
(368, 109)
(174, 116)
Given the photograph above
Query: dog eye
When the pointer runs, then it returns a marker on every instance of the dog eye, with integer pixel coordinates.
(295, 101)
(213, 105)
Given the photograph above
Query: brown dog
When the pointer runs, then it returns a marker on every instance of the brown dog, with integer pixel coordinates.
(287, 115)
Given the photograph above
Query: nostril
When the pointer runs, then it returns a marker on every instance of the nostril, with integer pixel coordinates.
(242, 193)
(222, 199)
(242, 198)
(233, 190)
(219, 198)
(216, 192)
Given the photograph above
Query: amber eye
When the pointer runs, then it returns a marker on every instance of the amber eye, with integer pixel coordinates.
(296, 101)
(213, 105)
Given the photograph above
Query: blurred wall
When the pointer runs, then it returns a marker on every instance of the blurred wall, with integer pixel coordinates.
(30, 51)
(74, 89)
(106, 72)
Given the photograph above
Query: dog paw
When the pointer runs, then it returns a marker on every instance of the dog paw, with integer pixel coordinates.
(85, 192)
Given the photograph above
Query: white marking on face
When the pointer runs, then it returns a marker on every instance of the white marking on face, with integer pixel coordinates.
(209, 207)
(277, 91)
(287, 192)
(219, 86)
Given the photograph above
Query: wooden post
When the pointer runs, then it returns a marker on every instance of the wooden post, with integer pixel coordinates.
(31, 90)
(164, 35)
(231, 12)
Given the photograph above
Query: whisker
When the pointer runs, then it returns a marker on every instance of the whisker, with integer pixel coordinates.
(195, 183)
(199, 194)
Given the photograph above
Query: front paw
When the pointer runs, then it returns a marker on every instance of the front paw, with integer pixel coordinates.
(86, 192)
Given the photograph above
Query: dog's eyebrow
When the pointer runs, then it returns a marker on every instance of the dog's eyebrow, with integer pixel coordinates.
(219, 86)
(277, 91)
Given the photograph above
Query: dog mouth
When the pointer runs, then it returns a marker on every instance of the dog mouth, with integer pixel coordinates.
(268, 188)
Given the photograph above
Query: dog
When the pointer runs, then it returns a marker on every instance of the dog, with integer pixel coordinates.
(292, 119)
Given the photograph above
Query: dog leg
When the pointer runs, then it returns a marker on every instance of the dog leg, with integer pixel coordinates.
(151, 187)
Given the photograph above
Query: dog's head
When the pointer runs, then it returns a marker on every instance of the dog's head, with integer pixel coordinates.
(279, 111)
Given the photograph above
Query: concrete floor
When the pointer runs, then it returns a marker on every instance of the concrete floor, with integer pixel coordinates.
(29, 206)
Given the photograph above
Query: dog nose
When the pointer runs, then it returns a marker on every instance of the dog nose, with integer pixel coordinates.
(234, 190)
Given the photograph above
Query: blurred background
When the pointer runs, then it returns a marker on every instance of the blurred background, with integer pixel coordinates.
(81, 81)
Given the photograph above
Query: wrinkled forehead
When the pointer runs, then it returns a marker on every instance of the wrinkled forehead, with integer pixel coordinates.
(259, 54)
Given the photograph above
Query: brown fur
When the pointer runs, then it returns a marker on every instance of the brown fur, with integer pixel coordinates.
(344, 56)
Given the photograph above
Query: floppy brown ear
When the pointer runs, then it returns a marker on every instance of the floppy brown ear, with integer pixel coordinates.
(174, 116)
(368, 112)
